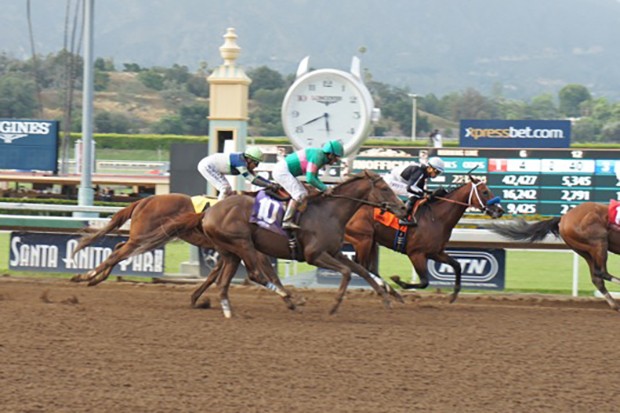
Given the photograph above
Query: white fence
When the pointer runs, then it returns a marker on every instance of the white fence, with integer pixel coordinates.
(461, 237)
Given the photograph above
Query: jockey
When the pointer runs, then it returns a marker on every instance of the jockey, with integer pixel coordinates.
(411, 180)
(214, 167)
(306, 161)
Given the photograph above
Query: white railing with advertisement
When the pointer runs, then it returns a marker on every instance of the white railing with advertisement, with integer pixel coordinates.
(478, 237)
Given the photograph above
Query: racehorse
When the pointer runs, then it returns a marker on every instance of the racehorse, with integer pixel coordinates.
(586, 230)
(437, 218)
(146, 215)
(319, 239)
(151, 213)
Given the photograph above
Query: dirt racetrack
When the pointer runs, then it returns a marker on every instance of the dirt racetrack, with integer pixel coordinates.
(121, 347)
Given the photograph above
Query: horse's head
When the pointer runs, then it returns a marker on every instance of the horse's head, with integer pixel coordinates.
(481, 197)
(382, 194)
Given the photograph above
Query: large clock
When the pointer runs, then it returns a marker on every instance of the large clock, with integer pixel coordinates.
(327, 104)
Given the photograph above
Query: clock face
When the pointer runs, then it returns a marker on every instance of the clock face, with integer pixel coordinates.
(326, 104)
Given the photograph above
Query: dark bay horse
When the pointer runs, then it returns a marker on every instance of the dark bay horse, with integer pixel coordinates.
(586, 230)
(436, 220)
(320, 237)
(149, 214)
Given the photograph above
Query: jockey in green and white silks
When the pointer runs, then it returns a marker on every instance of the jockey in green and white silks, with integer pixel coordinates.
(306, 162)
(214, 167)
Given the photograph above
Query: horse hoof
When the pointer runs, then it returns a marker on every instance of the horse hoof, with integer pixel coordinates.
(334, 309)
(76, 278)
(299, 301)
(395, 278)
(203, 305)
(453, 298)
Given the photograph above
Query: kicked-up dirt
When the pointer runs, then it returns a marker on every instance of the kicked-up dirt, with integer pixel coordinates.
(122, 347)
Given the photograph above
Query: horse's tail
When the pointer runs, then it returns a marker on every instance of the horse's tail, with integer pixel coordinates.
(521, 230)
(115, 223)
(174, 228)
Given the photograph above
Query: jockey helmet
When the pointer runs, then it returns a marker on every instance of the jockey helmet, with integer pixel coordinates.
(334, 147)
(254, 153)
(437, 163)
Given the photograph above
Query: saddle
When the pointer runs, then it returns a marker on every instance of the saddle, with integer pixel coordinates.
(201, 202)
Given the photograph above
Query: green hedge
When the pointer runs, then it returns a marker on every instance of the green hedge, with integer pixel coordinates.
(151, 141)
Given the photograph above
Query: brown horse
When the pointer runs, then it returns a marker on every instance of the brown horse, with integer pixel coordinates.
(319, 239)
(149, 214)
(146, 215)
(586, 230)
(437, 218)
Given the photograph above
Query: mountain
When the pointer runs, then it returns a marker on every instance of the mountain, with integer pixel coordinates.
(520, 48)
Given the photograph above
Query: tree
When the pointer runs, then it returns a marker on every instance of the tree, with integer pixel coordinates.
(169, 125)
(585, 130)
(197, 85)
(543, 107)
(112, 122)
(571, 96)
(194, 118)
(264, 78)
(152, 79)
(105, 65)
(470, 104)
(265, 119)
(17, 97)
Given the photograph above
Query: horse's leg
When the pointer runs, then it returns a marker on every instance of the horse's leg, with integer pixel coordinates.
(374, 280)
(447, 259)
(229, 268)
(418, 260)
(345, 266)
(597, 261)
(271, 281)
(325, 260)
(215, 271)
(103, 270)
(90, 274)
(366, 251)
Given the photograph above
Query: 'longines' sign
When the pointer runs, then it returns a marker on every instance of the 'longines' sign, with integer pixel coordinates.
(29, 144)
(515, 134)
(48, 252)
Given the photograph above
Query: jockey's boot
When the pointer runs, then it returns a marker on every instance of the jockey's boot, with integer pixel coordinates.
(287, 221)
(410, 221)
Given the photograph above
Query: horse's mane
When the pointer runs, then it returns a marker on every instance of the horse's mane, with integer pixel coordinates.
(313, 193)
(445, 192)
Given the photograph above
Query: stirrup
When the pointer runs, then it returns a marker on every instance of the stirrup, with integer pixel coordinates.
(290, 225)
(407, 223)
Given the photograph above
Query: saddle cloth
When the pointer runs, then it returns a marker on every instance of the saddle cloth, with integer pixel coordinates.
(613, 212)
(268, 212)
(200, 202)
(388, 219)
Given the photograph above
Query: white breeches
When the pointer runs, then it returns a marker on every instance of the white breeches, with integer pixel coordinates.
(291, 184)
(215, 178)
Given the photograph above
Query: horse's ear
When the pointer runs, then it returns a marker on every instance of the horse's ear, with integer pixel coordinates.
(471, 178)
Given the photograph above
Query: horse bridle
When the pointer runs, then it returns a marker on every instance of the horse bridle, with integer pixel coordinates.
(384, 206)
(472, 192)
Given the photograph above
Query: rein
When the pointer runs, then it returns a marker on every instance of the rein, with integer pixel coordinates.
(474, 190)
(384, 206)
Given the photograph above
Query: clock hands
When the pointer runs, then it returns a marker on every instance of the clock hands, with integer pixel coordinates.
(325, 115)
